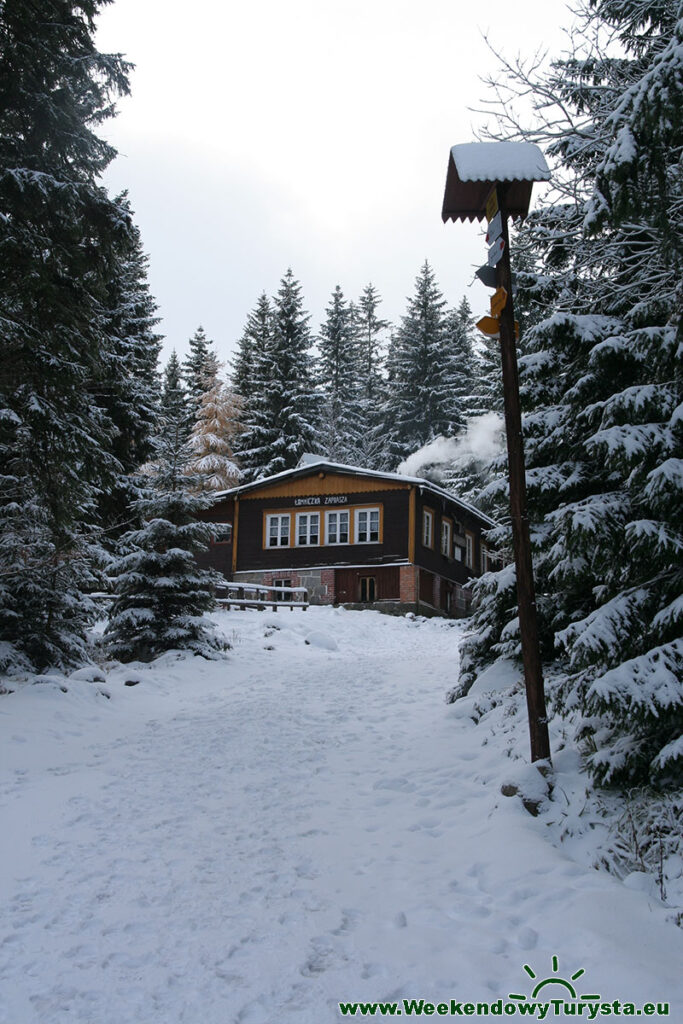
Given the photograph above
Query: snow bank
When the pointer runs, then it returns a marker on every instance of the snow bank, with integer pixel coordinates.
(259, 838)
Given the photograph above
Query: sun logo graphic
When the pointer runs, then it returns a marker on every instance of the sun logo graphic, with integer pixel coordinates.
(555, 980)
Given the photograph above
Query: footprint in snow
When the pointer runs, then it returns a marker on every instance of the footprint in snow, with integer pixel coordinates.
(400, 784)
(527, 938)
(370, 971)
(348, 922)
(318, 962)
(522, 894)
(306, 870)
(253, 1013)
(430, 822)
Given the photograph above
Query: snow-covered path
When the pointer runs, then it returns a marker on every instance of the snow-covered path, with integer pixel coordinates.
(258, 839)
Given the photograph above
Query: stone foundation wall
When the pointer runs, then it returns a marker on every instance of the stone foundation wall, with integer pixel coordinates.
(320, 586)
(318, 582)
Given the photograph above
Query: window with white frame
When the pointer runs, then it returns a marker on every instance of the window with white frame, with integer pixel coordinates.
(337, 527)
(446, 537)
(288, 595)
(367, 525)
(277, 531)
(469, 550)
(427, 528)
(307, 529)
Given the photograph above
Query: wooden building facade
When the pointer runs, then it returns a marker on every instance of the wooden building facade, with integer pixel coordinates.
(351, 536)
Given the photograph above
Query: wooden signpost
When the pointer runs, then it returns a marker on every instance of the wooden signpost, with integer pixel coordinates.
(473, 191)
(526, 596)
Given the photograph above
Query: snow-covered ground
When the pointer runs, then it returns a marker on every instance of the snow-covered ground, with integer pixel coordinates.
(256, 839)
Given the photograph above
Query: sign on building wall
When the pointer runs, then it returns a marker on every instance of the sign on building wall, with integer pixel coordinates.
(328, 499)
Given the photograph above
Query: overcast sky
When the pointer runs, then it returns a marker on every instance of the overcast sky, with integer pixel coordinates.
(308, 134)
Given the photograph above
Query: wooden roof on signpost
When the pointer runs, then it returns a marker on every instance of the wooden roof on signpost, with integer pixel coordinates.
(474, 168)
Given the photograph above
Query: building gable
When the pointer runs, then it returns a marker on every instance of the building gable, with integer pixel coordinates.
(320, 483)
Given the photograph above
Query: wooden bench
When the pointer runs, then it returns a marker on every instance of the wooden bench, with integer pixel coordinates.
(254, 595)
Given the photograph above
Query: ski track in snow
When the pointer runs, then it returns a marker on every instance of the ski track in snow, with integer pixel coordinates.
(253, 840)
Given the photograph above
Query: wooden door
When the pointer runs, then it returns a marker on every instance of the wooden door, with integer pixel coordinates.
(346, 585)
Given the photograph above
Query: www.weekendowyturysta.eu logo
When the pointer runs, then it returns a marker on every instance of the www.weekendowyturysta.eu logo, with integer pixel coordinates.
(555, 979)
(552, 995)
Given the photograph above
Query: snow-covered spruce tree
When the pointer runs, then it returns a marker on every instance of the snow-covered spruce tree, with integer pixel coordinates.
(490, 389)
(340, 424)
(174, 409)
(60, 240)
(248, 368)
(421, 401)
(162, 595)
(284, 408)
(129, 385)
(460, 332)
(200, 370)
(372, 330)
(252, 345)
(212, 462)
(602, 386)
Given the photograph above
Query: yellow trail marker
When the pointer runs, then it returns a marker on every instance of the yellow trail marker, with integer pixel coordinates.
(492, 204)
(498, 301)
(489, 325)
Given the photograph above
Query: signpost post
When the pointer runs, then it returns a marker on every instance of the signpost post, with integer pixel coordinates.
(526, 596)
(495, 180)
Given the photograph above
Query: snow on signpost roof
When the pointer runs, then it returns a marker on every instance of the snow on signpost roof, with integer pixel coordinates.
(474, 168)
(500, 161)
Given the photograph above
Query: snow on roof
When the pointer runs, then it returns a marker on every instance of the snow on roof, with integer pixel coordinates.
(500, 161)
(308, 461)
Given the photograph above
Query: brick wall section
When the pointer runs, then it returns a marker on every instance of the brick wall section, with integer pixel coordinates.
(408, 584)
(327, 582)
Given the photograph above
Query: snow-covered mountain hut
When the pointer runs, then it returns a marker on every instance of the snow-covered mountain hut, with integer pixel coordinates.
(351, 536)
